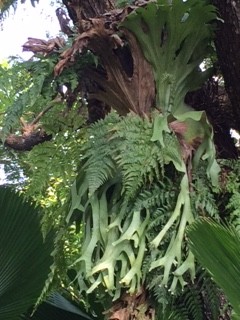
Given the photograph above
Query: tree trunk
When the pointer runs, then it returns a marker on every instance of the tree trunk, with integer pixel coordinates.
(80, 10)
(228, 48)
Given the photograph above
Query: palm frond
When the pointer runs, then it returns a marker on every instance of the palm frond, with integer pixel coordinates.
(59, 308)
(218, 250)
(24, 257)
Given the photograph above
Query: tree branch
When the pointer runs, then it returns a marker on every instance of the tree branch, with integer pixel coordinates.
(32, 134)
(26, 142)
(56, 100)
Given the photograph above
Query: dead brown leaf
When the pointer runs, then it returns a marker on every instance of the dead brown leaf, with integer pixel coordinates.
(39, 46)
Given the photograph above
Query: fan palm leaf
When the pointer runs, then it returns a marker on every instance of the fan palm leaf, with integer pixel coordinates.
(24, 257)
(58, 308)
(218, 250)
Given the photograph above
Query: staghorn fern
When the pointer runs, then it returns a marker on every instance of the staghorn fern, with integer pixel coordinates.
(122, 230)
(106, 153)
(174, 36)
(111, 199)
(122, 158)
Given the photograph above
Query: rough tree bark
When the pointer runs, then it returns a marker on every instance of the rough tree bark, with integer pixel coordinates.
(227, 43)
(80, 10)
(26, 141)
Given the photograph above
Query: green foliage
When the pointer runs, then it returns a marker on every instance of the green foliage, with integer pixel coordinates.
(51, 168)
(57, 307)
(204, 196)
(140, 181)
(108, 238)
(13, 173)
(132, 195)
(174, 36)
(217, 249)
(124, 198)
(105, 172)
(13, 82)
(231, 187)
(5, 6)
(27, 88)
(53, 162)
(201, 299)
(24, 85)
(24, 257)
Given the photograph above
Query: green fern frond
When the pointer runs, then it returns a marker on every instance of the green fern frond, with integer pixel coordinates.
(231, 188)
(48, 161)
(211, 296)
(141, 161)
(199, 301)
(193, 304)
(203, 196)
(161, 195)
(123, 145)
(97, 160)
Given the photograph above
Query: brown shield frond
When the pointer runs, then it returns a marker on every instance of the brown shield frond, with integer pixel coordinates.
(124, 79)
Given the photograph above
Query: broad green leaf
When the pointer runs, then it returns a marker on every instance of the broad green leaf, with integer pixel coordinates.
(160, 125)
(218, 250)
(25, 258)
(58, 308)
(175, 39)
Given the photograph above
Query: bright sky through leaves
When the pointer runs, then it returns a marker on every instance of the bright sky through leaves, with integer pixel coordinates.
(39, 22)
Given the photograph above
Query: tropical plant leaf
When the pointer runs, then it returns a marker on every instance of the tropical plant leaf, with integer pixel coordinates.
(24, 257)
(59, 308)
(218, 249)
(174, 36)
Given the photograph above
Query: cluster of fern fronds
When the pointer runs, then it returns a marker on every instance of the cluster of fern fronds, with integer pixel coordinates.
(134, 206)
